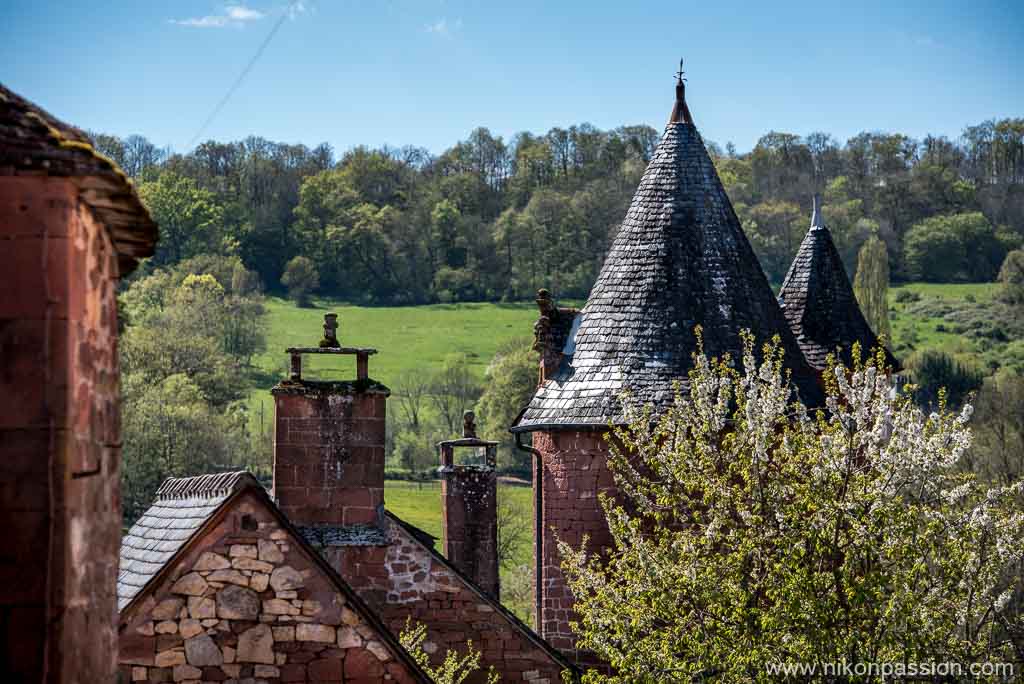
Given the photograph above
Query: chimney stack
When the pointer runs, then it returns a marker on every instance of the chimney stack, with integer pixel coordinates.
(469, 496)
(329, 441)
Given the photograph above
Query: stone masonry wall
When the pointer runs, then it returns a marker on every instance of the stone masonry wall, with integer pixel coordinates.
(404, 581)
(329, 456)
(59, 435)
(575, 471)
(247, 605)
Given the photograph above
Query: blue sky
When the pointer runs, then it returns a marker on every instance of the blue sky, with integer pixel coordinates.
(427, 73)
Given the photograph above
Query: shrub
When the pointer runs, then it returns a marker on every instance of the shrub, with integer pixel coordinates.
(301, 278)
(955, 247)
(935, 373)
(454, 669)
(1011, 278)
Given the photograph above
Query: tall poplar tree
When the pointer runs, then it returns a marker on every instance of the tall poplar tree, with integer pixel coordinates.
(871, 286)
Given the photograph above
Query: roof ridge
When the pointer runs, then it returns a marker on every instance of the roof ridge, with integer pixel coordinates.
(206, 486)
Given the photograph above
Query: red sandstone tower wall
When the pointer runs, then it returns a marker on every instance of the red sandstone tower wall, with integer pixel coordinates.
(575, 470)
(60, 435)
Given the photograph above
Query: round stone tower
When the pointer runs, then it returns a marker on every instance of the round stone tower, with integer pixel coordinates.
(679, 260)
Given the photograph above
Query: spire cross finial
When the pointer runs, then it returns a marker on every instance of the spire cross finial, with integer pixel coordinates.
(680, 113)
(679, 74)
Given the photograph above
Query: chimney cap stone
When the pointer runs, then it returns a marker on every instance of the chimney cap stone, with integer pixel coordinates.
(357, 351)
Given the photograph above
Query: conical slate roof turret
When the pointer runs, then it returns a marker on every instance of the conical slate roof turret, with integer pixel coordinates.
(819, 303)
(680, 259)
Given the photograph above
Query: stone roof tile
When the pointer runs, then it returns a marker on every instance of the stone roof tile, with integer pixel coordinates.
(679, 260)
(32, 142)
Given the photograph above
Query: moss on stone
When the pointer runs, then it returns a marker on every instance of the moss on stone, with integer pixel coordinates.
(328, 387)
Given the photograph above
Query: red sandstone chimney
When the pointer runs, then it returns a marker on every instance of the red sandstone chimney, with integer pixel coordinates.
(469, 496)
(329, 441)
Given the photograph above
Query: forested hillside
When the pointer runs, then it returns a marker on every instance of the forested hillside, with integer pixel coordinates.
(491, 219)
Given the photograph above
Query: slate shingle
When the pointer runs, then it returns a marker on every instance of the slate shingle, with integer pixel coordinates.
(819, 304)
(182, 506)
(679, 259)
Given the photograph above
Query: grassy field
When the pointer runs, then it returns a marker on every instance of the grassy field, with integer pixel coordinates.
(981, 291)
(411, 337)
(932, 332)
(408, 338)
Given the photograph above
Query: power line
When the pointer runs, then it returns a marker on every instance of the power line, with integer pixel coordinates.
(241, 76)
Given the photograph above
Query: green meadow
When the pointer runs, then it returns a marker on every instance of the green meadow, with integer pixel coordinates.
(406, 338)
(420, 337)
(933, 332)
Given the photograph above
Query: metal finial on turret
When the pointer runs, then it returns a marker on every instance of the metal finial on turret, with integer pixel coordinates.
(816, 219)
(680, 112)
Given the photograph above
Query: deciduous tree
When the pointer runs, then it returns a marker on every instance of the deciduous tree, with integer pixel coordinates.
(871, 285)
(189, 217)
(301, 278)
(750, 532)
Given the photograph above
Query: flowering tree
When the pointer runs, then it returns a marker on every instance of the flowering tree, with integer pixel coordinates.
(749, 532)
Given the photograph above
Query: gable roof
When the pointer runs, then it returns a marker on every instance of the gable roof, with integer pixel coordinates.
(32, 142)
(679, 260)
(226, 488)
(182, 506)
(818, 301)
(423, 539)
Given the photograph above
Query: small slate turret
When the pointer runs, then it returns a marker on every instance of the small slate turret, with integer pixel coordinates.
(818, 301)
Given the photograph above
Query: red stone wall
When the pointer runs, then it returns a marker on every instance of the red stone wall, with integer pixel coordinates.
(469, 507)
(250, 605)
(575, 471)
(329, 456)
(404, 580)
(59, 435)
